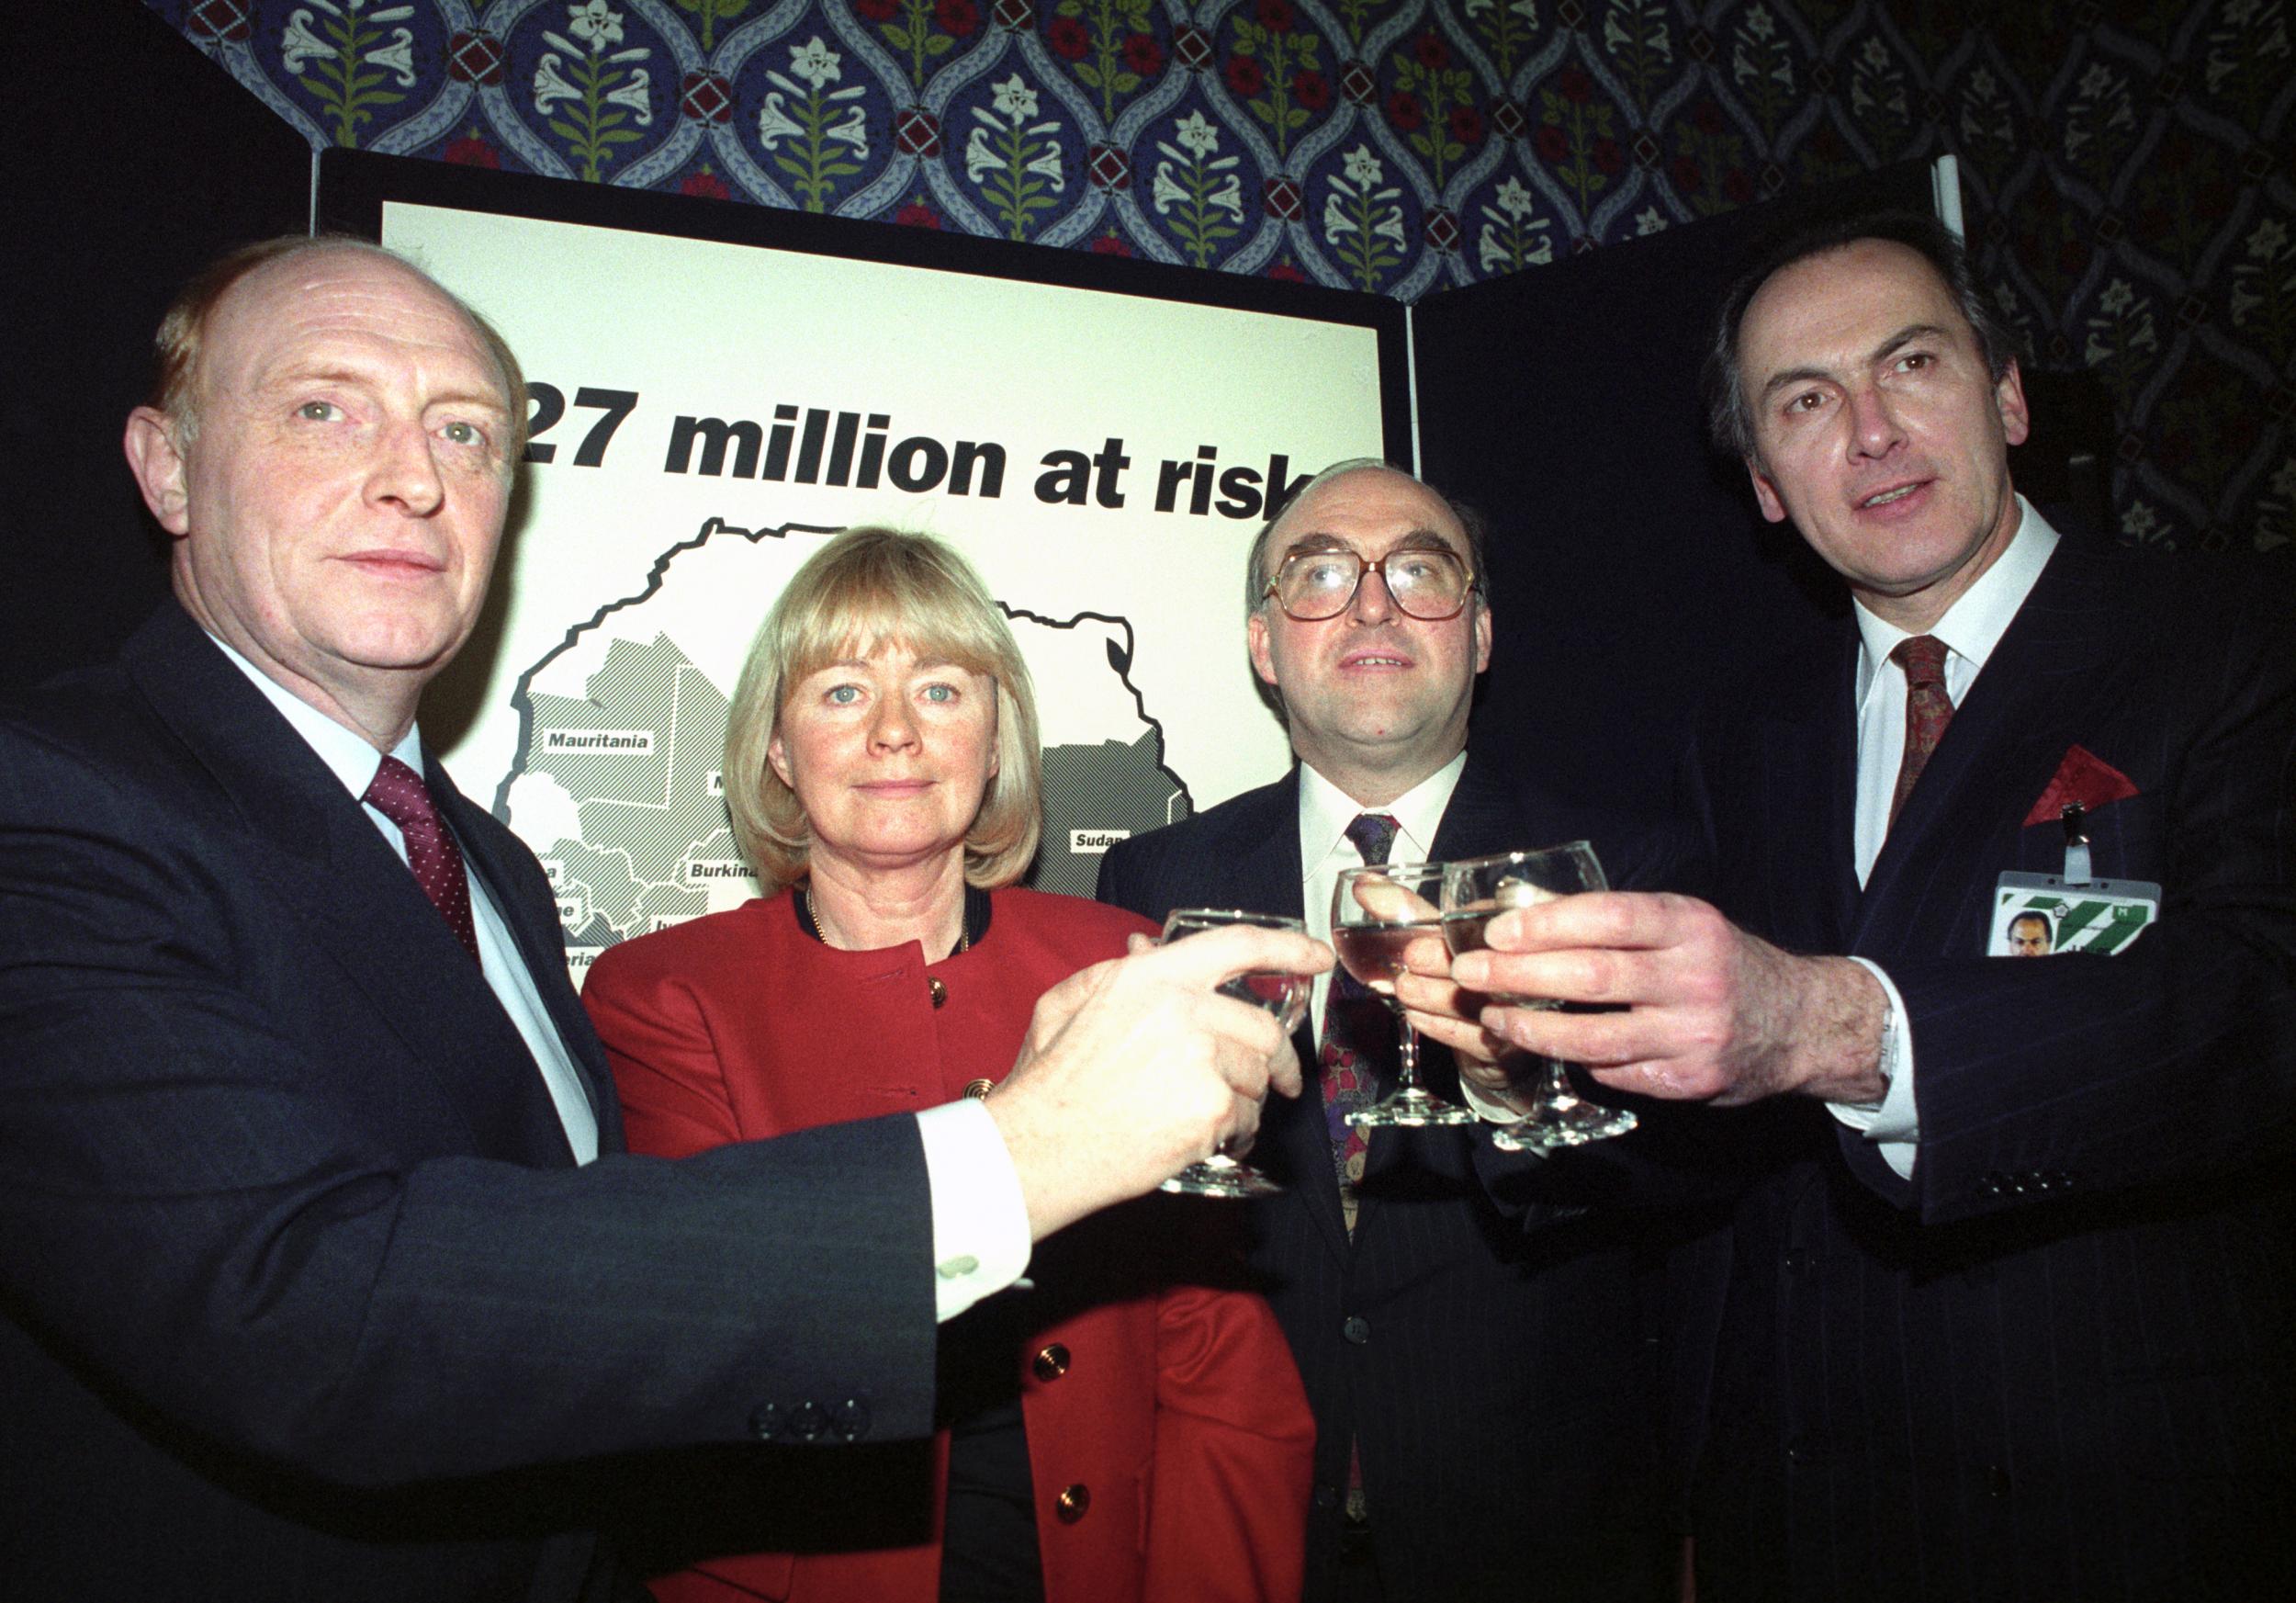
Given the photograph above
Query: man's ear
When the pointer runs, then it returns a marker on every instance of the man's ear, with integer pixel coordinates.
(2008, 395)
(158, 465)
(1765, 492)
(1256, 637)
(1483, 636)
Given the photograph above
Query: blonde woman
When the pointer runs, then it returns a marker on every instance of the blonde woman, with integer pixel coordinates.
(1118, 1430)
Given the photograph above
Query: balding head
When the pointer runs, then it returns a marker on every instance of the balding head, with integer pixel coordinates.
(184, 330)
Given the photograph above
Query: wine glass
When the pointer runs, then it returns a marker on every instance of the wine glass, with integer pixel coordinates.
(1376, 913)
(1284, 995)
(1477, 890)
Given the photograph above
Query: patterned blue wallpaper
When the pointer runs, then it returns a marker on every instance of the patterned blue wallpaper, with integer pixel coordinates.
(2130, 167)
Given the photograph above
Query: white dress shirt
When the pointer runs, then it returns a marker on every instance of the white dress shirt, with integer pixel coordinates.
(1325, 811)
(1970, 629)
(981, 1241)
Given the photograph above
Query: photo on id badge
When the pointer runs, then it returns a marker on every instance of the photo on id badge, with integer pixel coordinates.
(2039, 915)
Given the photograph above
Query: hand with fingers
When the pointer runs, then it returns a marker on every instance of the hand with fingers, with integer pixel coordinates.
(1499, 1072)
(1137, 1067)
(1699, 1009)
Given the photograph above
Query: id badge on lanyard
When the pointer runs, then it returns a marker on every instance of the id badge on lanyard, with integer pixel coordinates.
(2042, 915)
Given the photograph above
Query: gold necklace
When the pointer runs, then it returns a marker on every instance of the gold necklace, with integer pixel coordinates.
(813, 923)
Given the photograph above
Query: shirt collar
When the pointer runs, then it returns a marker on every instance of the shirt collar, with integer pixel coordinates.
(1325, 811)
(347, 756)
(1975, 624)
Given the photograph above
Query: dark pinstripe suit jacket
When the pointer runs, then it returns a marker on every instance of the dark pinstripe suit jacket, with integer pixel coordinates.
(1497, 1385)
(2058, 1363)
(299, 1281)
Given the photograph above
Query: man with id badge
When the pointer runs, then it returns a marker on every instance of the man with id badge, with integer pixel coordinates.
(2007, 1305)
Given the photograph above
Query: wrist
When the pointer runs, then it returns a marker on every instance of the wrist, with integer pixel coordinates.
(1842, 1025)
(1047, 1194)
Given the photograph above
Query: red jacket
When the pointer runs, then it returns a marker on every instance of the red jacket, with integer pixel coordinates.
(1170, 1451)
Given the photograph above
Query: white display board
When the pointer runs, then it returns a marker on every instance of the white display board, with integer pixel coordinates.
(710, 410)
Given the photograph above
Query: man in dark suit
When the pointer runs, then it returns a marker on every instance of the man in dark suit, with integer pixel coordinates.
(320, 1271)
(1476, 1392)
(2008, 1313)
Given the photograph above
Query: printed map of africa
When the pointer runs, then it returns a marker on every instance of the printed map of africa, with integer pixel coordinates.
(616, 784)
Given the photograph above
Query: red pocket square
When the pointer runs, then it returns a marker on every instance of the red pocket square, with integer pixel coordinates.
(2082, 777)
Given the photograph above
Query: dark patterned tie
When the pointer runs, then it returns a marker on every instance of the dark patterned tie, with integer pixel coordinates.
(1928, 710)
(1358, 1037)
(1359, 1041)
(398, 793)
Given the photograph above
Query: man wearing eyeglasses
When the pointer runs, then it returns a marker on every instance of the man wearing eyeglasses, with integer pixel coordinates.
(1477, 1396)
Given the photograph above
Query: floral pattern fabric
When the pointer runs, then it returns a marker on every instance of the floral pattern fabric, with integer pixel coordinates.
(2130, 168)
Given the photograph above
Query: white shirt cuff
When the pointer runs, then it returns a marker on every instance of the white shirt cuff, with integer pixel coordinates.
(1893, 1124)
(1486, 1107)
(980, 1219)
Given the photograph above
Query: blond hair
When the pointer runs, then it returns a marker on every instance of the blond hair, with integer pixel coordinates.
(866, 589)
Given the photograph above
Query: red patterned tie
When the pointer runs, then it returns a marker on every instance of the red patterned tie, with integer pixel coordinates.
(1928, 710)
(398, 793)
(1355, 1021)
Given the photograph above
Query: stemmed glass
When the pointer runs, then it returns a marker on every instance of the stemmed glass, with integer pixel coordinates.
(1477, 890)
(1376, 913)
(1284, 995)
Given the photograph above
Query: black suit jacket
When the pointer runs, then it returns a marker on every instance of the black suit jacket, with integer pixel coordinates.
(1497, 1384)
(2059, 1363)
(301, 1294)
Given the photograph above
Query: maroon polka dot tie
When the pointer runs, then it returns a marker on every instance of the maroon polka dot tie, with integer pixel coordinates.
(1928, 710)
(399, 794)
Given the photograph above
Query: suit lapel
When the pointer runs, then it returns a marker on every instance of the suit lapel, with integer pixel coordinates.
(2003, 745)
(1485, 815)
(1806, 770)
(541, 946)
(1266, 874)
(1265, 848)
(343, 891)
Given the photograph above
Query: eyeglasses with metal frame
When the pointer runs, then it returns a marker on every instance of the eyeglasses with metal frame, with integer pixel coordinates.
(1425, 583)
